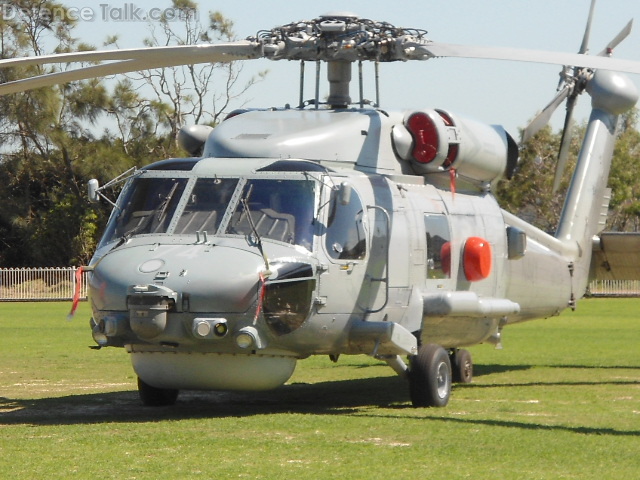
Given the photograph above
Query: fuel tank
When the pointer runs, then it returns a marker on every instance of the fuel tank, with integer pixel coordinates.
(212, 371)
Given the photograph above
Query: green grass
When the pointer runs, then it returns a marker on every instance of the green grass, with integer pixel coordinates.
(562, 400)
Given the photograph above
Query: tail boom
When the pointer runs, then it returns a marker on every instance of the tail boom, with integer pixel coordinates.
(612, 94)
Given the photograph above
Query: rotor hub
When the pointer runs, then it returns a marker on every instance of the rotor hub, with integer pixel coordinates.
(343, 37)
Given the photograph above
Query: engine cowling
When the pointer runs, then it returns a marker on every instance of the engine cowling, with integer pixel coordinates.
(437, 141)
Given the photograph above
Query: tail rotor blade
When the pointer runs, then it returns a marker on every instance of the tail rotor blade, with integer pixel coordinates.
(545, 115)
(565, 143)
(624, 33)
(587, 32)
(572, 96)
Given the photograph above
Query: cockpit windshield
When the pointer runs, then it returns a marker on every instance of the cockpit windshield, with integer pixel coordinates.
(279, 209)
(147, 206)
(206, 205)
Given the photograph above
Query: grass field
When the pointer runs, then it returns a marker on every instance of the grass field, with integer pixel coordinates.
(562, 400)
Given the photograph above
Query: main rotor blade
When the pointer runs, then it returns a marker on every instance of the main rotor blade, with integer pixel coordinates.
(535, 56)
(587, 31)
(545, 115)
(624, 33)
(219, 52)
(188, 56)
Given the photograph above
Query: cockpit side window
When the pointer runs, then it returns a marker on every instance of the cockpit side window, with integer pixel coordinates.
(278, 209)
(345, 238)
(207, 203)
(147, 206)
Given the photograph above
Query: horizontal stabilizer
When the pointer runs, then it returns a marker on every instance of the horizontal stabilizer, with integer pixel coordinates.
(616, 256)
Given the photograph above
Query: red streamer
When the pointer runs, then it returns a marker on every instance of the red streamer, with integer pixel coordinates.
(263, 291)
(452, 181)
(76, 293)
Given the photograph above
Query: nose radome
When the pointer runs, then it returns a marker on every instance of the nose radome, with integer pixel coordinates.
(215, 279)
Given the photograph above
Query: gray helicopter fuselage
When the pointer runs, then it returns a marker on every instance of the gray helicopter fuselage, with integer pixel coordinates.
(327, 229)
(302, 233)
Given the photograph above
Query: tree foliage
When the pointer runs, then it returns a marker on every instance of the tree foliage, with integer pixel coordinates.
(192, 94)
(529, 193)
(624, 208)
(53, 140)
(51, 143)
(40, 136)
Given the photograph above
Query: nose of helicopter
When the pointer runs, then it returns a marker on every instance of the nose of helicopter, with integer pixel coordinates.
(202, 278)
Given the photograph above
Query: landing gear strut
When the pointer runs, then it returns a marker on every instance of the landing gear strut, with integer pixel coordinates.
(430, 377)
(156, 397)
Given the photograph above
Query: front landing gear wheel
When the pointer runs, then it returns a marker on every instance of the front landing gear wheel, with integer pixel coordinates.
(462, 366)
(156, 397)
(430, 377)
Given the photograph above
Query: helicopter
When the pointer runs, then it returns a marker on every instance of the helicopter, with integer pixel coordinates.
(337, 227)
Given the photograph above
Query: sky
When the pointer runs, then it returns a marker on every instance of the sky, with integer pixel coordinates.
(494, 92)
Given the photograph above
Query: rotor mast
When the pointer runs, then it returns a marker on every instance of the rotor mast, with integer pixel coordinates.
(339, 76)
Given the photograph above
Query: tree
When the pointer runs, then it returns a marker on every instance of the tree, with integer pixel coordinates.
(624, 208)
(529, 193)
(39, 135)
(192, 94)
(50, 143)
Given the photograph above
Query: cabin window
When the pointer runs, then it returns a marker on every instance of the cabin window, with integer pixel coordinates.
(276, 209)
(345, 238)
(206, 205)
(146, 206)
(438, 246)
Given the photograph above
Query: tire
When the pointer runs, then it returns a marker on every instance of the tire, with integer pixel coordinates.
(156, 397)
(430, 377)
(462, 366)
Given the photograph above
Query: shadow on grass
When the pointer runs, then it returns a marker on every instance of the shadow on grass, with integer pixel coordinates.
(336, 397)
(480, 370)
(483, 370)
(361, 397)
(594, 367)
(598, 431)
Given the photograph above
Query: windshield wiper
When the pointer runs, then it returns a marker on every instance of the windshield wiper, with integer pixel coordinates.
(245, 211)
(258, 240)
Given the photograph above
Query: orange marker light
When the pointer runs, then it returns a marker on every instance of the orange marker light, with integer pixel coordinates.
(476, 259)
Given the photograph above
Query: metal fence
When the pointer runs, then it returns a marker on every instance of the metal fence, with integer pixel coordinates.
(59, 283)
(41, 284)
(614, 288)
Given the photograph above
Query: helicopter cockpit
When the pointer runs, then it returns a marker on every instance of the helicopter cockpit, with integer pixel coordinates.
(162, 202)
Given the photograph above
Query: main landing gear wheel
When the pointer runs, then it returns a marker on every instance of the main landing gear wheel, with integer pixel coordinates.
(430, 377)
(156, 397)
(462, 366)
